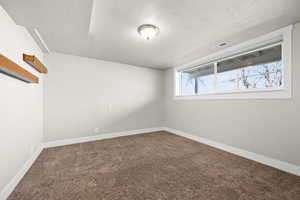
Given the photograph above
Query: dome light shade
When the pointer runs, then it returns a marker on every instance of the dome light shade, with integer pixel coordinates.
(148, 31)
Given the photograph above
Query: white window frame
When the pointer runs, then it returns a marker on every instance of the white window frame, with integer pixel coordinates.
(284, 35)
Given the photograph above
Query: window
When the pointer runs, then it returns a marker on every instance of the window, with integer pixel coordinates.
(197, 81)
(263, 70)
(259, 69)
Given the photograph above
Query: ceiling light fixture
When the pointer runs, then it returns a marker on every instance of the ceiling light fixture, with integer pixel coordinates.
(148, 31)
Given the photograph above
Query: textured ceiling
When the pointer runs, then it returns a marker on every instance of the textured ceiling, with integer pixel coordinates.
(189, 29)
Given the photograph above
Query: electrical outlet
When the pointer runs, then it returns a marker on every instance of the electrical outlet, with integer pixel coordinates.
(96, 130)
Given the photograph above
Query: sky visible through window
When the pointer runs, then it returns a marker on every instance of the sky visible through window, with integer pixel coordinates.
(259, 76)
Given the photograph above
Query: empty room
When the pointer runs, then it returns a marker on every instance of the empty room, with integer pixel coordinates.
(149, 100)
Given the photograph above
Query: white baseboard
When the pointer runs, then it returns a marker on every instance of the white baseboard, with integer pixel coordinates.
(284, 166)
(14, 182)
(99, 137)
(17, 178)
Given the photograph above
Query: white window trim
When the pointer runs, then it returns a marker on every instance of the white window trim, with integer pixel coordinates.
(284, 34)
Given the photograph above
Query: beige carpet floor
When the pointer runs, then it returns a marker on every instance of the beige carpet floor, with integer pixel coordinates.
(152, 166)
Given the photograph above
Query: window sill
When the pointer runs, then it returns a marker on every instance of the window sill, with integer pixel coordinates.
(241, 94)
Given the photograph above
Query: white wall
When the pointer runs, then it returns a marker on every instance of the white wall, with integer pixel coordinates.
(21, 104)
(267, 127)
(82, 94)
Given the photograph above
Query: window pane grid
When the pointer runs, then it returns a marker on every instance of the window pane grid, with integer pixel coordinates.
(260, 69)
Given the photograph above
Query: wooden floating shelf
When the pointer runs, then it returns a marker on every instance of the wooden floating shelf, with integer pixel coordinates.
(14, 70)
(35, 63)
